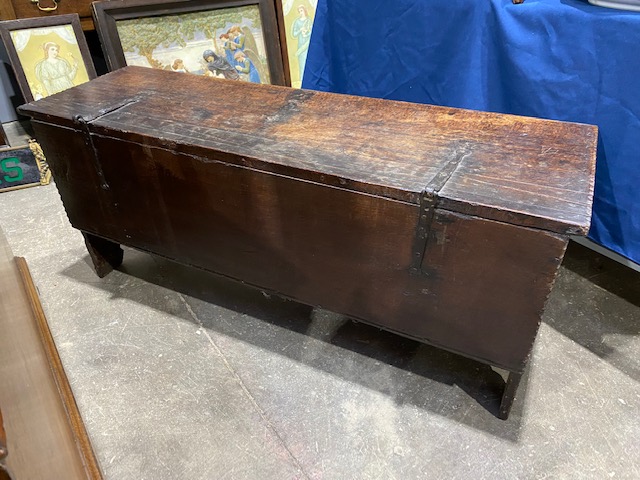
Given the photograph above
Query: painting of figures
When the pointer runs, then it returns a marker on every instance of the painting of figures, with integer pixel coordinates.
(227, 43)
(47, 55)
(298, 20)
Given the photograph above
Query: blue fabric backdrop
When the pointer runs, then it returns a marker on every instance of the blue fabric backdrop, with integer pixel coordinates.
(558, 59)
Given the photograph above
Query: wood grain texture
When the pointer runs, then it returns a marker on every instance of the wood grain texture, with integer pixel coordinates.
(7, 12)
(318, 244)
(443, 225)
(14, 9)
(487, 280)
(518, 170)
(45, 434)
(81, 438)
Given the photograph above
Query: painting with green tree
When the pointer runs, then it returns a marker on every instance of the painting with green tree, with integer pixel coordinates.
(227, 43)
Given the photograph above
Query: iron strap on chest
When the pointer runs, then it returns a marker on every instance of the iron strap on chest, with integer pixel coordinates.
(429, 202)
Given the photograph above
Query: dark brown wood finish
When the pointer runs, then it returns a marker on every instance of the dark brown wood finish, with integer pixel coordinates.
(8, 26)
(106, 15)
(104, 254)
(4, 142)
(513, 168)
(14, 9)
(443, 225)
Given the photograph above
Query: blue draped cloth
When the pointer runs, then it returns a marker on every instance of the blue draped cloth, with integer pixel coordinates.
(558, 59)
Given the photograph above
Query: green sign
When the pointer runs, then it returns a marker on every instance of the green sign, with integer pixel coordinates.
(18, 167)
(11, 166)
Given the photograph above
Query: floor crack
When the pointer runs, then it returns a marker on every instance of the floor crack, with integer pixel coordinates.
(240, 382)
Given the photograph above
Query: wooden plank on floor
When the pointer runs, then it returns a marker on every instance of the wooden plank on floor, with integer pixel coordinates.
(45, 434)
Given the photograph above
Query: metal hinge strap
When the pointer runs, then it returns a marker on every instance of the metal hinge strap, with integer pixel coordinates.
(83, 125)
(429, 203)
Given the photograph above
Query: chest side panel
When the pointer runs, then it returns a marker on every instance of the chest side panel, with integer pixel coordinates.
(481, 286)
(79, 179)
(487, 284)
(315, 243)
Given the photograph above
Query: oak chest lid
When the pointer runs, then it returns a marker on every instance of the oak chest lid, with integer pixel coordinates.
(519, 170)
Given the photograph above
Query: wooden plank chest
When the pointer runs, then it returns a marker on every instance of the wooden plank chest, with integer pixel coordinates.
(443, 225)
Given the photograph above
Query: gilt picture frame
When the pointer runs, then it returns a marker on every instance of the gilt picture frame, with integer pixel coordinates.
(48, 55)
(232, 39)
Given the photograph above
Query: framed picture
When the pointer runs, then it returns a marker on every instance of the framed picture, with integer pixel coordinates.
(23, 166)
(295, 19)
(48, 55)
(232, 39)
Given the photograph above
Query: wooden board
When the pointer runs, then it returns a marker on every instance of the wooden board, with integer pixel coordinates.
(503, 167)
(45, 434)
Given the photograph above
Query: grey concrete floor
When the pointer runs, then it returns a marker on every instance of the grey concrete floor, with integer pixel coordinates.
(179, 374)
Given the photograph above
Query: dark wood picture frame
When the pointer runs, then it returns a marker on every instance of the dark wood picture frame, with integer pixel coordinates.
(4, 141)
(283, 42)
(9, 26)
(106, 14)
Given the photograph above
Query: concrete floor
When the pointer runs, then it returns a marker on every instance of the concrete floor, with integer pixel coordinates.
(182, 375)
